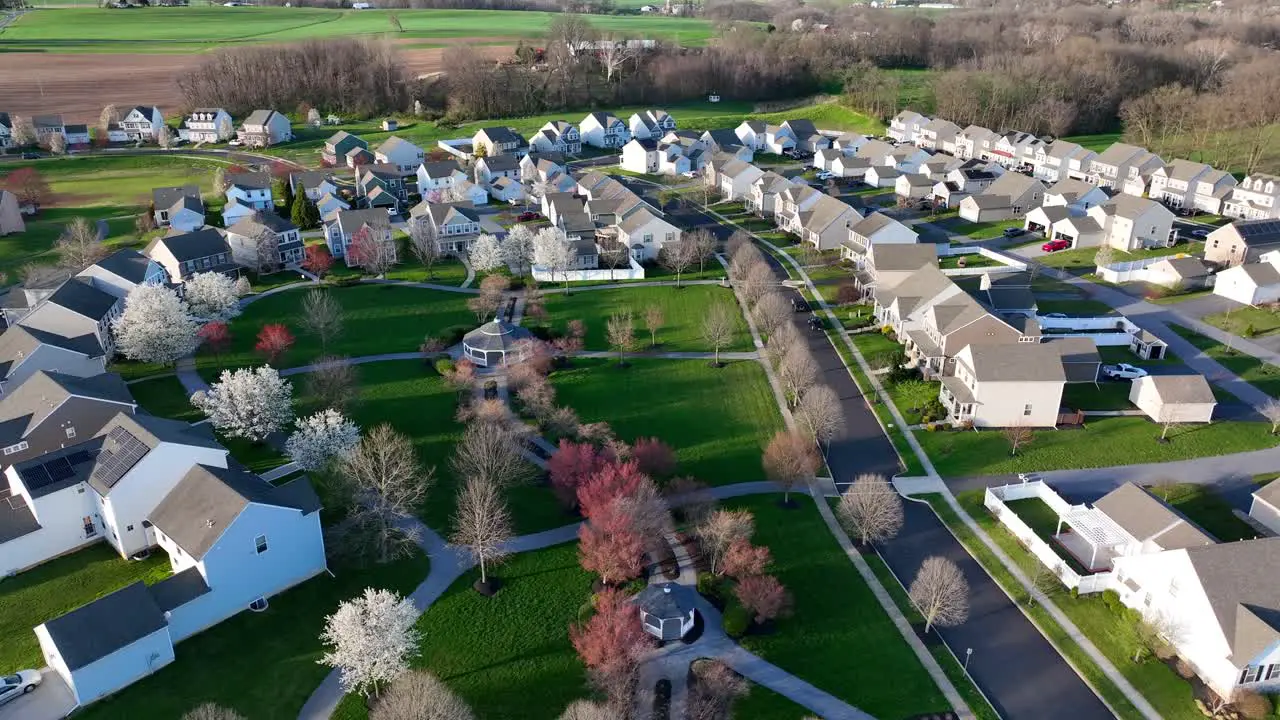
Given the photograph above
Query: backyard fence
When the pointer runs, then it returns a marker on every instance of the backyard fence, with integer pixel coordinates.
(634, 272)
(1107, 331)
(995, 499)
(1007, 263)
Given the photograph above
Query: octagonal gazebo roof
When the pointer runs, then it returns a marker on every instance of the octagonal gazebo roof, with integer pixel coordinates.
(495, 335)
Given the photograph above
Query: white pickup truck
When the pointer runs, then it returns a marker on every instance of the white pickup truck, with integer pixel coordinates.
(1123, 371)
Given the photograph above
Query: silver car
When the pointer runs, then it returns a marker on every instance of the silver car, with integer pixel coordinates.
(20, 683)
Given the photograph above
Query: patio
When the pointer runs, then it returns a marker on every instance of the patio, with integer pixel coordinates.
(1092, 538)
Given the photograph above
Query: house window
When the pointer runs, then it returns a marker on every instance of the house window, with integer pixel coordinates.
(1251, 674)
(648, 239)
(16, 448)
(1273, 672)
(89, 529)
(1026, 409)
(258, 605)
(1173, 588)
(71, 433)
(260, 544)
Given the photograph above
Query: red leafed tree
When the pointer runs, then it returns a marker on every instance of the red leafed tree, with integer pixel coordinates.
(763, 596)
(742, 559)
(28, 185)
(790, 459)
(612, 640)
(236, 169)
(281, 170)
(607, 485)
(216, 336)
(570, 467)
(318, 260)
(609, 547)
(274, 340)
(655, 458)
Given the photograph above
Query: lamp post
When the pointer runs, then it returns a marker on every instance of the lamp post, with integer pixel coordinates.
(968, 653)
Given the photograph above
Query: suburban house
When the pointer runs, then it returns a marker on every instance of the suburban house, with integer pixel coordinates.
(887, 264)
(752, 133)
(538, 165)
(732, 177)
(825, 224)
(1243, 241)
(1081, 361)
(1005, 385)
(959, 183)
(1060, 160)
(347, 226)
(467, 191)
(314, 184)
(641, 156)
(25, 351)
(906, 159)
(6, 131)
(1010, 195)
(936, 133)
(793, 200)
(1075, 194)
(185, 254)
(556, 136)
(1265, 507)
(123, 270)
(763, 197)
(10, 214)
(178, 207)
(488, 169)
(1191, 185)
(358, 156)
(141, 124)
(264, 128)
(849, 143)
(507, 190)
(805, 134)
(250, 190)
(455, 225)
(726, 140)
(874, 229)
(438, 176)
(1014, 149)
(882, 176)
(1132, 223)
(905, 126)
(265, 240)
(207, 125)
(1257, 197)
(399, 152)
(47, 125)
(1125, 168)
(913, 186)
(937, 166)
(330, 203)
(337, 148)
(1256, 283)
(49, 411)
(645, 232)
(381, 185)
(499, 140)
(1174, 398)
(1063, 222)
(78, 136)
(77, 308)
(603, 130)
(650, 124)
(971, 142)
(938, 328)
(1179, 272)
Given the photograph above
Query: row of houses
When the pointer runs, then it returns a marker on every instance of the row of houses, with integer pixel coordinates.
(143, 123)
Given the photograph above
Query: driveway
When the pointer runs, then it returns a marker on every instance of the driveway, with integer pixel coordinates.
(51, 700)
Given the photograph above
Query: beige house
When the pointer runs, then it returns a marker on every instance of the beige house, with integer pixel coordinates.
(826, 224)
(1009, 196)
(1187, 184)
(763, 197)
(1243, 241)
(1125, 168)
(874, 229)
(890, 264)
(1132, 223)
(1011, 385)
(1174, 398)
(1265, 507)
(645, 233)
(10, 214)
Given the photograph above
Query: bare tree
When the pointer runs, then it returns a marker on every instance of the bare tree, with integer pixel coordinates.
(79, 246)
(621, 333)
(482, 525)
(491, 452)
(940, 593)
(423, 245)
(1105, 256)
(781, 341)
(742, 258)
(333, 381)
(1271, 411)
(717, 328)
(714, 690)
(322, 317)
(771, 311)
(654, 319)
(1168, 419)
(690, 498)
(720, 530)
(678, 256)
(821, 413)
(1017, 435)
(798, 371)
(789, 460)
(57, 143)
(211, 711)
(758, 281)
(614, 53)
(419, 695)
(704, 247)
(388, 485)
(871, 509)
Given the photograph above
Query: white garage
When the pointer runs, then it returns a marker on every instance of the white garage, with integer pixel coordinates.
(1251, 283)
(1174, 398)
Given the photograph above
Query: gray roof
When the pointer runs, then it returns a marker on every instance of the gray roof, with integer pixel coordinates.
(900, 257)
(500, 163)
(826, 211)
(353, 219)
(495, 335)
(194, 245)
(126, 439)
(1075, 349)
(25, 407)
(126, 263)
(1179, 389)
(666, 600)
(80, 296)
(1262, 274)
(394, 143)
(440, 168)
(208, 499)
(259, 117)
(1185, 170)
(1146, 517)
(250, 180)
(1020, 362)
(180, 589)
(446, 213)
(1241, 578)
(19, 342)
(251, 225)
(312, 178)
(1187, 267)
(1270, 494)
(1258, 232)
(1070, 188)
(1120, 153)
(59, 469)
(167, 197)
(503, 134)
(873, 223)
(94, 631)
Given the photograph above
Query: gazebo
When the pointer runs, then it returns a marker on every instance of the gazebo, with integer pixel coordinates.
(495, 343)
(666, 610)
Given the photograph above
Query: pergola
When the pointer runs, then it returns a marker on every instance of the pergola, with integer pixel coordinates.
(495, 343)
(1097, 529)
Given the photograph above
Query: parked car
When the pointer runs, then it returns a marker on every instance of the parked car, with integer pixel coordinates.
(1058, 316)
(1123, 371)
(815, 323)
(1014, 232)
(30, 156)
(689, 174)
(1200, 233)
(799, 305)
(19, 683)
(824, 175)
(527, 215)
(1055, 245)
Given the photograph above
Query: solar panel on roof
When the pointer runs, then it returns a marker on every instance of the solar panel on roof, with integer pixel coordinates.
(122, 452)
(59, 469)
(79, 457)
(35, 477)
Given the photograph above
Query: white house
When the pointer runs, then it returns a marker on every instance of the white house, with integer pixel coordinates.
(913, 186)
(283, 241)
(972, 141)
(488, 169)
(826, 224)
(315, 184)
(556, 136)
(1060, 160)
(645, 233)
(905, 126)
(763, 197)
(1123, 167)
(1005, 385)
(6, 131)
(1133, 223)
(399, 152)
(438, 176)
(1191, 185)
(455, 225)
(123, 270)
(936, 133)
(1075, 194)
(959, 183)
(1265, 507)
(179, 207)
(142, 123)
(1257, 197)
(735, 177)
(650, 124)
(1014, 149)
(77, 307)
(1250, 283)
(264, 128)
(881, 176)
(1174, 398)
(640, 156)
(603, 130)
(752, 133)
(506, 190)
(875, 229)
(250, 190)
(207, 125)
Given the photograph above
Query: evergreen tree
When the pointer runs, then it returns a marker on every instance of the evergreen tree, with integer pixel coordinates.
(298, 211)
(311, 212)
(286, 192)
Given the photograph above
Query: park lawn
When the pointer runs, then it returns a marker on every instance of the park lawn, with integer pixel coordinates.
(683, 309)
(262, 665)
(377, 319)
(448, 271)
(835, 618)
(1104, 395)
(1102, 442)
(509, 656)
(58, 587)
(718, 420)
(1264, 376)
(1207, 509)
(1246, 321)
(1110, 632)
(165, 397)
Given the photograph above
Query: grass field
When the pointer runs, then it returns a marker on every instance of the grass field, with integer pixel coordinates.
(683, 310)
(1082, 258)
(1247, 321)
(717, 420)
(1264, 376)
(198, 29)
(835, 618)
(165, 397)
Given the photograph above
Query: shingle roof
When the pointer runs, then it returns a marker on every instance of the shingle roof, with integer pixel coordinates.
(440, 168)
(502, 134)
(395, 142)
(1146, 517)
(80, 296)
(1187, 267)
(310, 179)
(251, 225)
(1129, 206)
(18, 343)
(902, 257)
(208, 499)
(250, 180)
(1178, 389)
(666, 600)
(193, 245)
(259, 117)
(1075, 349)
(501, 163)
(167, 197)
(180, 589)
(94, 631)
(1021, 362)
(127, 263)
(1236, 577)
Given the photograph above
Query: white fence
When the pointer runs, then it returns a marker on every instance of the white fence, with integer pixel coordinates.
(995, 501)
(1138, 271)
(1106, 331)
(1007, 263)
(544, 274)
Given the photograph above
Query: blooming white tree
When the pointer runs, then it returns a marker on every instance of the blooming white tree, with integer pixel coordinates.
(212, 296)
(320, 438)
(371, 639)
(551, 250)
(156, 326)
(248, 403)
(485, 253)
(517, 249)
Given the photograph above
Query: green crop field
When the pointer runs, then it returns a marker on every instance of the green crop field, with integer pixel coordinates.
(205, 28)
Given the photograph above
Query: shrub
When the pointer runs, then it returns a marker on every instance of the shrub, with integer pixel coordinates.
(736, 619)
(711, 587)
(933, 410)
(1111, 599)
(445, 367)
(1252, 705)
(1184, 669)
(1250, 331)
(344, 281)
(452, 335)
(1075, 593)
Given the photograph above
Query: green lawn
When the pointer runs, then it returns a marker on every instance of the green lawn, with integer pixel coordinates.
(836, 618)
(1084, 257)
(1207, 509)
(165, 397)
(874, 345)
(761, 703)
(1246, 321)
(58, 587)
(1102, 396)
(448, 271)
(718, 420)
(1044, 522)
(377, 319)
(683, 308)
(1103, 442)
(263, 665)
(978, 231)
(972, 260)
(1112, 634)
(1264, 376)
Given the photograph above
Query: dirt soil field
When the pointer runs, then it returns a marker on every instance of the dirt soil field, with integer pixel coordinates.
(79, 85)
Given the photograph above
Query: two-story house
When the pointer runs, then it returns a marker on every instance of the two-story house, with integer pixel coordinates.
(77, 308)
(1191, 185)
(265, 240)
(6, 131)
(972, 141)
(1124, 168)
(603, 130)
(1241, 242)
(650, 124)
(401, 153)
(937, 134)
(751, 133)
(959, 183)
(874, 229)
(734, 178)
(122, 271)
(264, 128)
(1005, 385)
(499, 140)
(338, 147)
(645, 233)
(1132, 223)
(763, 197)
(806, 135)
(179, 207)
(556, 136)
(938, 328)
(370, 228)
(381, 186)
(1074, 193)
(1257, 197)
(454, 225)
(1013, 149)
(887, 264)
(247, 193)
(25, 351)
(437, 176)
(488, 169)
(1009, 196)
(825, 225)
(539, 165)
(1060, 160)
(207, 125)
(185, 254)
(314, 184)
(142, 123)
(47, 125)
(905, 126)
(793, 200)
(50, 410)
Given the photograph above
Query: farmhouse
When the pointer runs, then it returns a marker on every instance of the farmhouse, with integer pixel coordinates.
(1257, 197)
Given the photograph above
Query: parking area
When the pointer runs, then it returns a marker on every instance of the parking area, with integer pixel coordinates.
(51, 700)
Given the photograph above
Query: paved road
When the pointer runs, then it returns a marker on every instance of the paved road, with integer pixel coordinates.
(51, 700)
